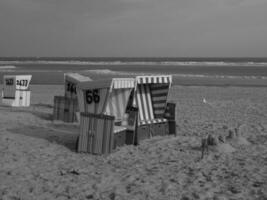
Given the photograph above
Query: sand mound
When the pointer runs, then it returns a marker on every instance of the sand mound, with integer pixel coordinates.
(244, 130)
(225, 148)
(242, 141)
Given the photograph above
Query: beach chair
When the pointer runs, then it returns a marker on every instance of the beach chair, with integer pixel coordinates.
(16, 91)
(150, 97)
(107, 119)
(66, 107)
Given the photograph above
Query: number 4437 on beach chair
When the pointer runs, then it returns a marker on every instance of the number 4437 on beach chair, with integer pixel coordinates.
(16, 91)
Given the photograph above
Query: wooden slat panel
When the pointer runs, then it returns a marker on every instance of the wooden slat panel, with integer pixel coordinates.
(90, 135)
(111, 133)
(96, 135)
(82, 146)
(106, 142)
(101, 127)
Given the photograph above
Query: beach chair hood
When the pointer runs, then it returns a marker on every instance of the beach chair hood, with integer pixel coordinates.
(151, 93)
(105, 96)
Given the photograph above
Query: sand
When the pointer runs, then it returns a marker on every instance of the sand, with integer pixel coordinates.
(38, 159)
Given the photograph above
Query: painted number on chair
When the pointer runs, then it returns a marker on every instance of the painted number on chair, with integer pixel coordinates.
(92, 96)
(22, 82)
(9, 81)
(71, 88)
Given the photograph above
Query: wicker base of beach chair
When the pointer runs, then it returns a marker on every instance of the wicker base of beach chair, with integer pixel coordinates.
(65, 109)
(172, 127)
(130, 137)
(119, 139)
(159, 129)
(143, 132)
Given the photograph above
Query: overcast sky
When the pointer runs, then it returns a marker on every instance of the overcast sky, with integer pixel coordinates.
(180, 28)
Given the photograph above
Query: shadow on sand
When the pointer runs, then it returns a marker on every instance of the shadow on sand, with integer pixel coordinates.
(59, 134)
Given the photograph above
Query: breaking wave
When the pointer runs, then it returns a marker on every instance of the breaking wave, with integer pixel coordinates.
(7, 67)
(164, 63)
(176, 75)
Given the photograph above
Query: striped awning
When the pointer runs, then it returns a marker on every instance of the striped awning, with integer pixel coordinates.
(119, 83)
(117, 102)
(119, 95)
(144, 103)
(152, 121)
(154, 79)
(151, 98)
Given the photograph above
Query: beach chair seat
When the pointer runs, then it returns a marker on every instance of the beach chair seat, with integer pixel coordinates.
(119, 136)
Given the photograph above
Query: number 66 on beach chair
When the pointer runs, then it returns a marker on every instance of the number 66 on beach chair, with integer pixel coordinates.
(105, 123)
(16, 91)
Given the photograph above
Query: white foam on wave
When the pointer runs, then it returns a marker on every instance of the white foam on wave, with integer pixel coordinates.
(7, 67)
(111, 72)
(219, 76)
(164, 63)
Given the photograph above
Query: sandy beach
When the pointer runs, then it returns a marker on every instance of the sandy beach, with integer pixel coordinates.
(38, 159)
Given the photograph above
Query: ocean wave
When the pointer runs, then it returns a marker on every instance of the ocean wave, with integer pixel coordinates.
(7, 67)
(219, 76)
(178, 63)
(176, 75)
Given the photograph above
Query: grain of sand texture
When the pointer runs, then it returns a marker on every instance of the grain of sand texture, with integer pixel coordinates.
(38, 161)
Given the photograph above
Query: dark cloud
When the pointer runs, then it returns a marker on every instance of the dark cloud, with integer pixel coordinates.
(133, 28)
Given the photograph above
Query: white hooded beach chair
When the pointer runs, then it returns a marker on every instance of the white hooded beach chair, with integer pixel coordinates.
(103, 106)
(16, 91)
(66, 107)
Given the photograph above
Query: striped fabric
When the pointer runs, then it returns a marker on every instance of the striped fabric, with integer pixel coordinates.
(153, 79)
(117, 102)
(119, 83)
(151, 97)
(144, 103)
(152, 121)
(159, 94)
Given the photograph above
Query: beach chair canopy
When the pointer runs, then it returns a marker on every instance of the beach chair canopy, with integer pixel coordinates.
(18, 82)
(108, 96)
(11, 83)
(71, 80)
(151, 93)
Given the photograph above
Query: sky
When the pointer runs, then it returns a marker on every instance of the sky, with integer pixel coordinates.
(133, 28)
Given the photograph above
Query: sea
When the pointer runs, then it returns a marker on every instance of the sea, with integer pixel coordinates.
(185, 71)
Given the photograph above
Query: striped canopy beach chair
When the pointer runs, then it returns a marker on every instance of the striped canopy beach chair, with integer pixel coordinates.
(151, 93)
(102, 104)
